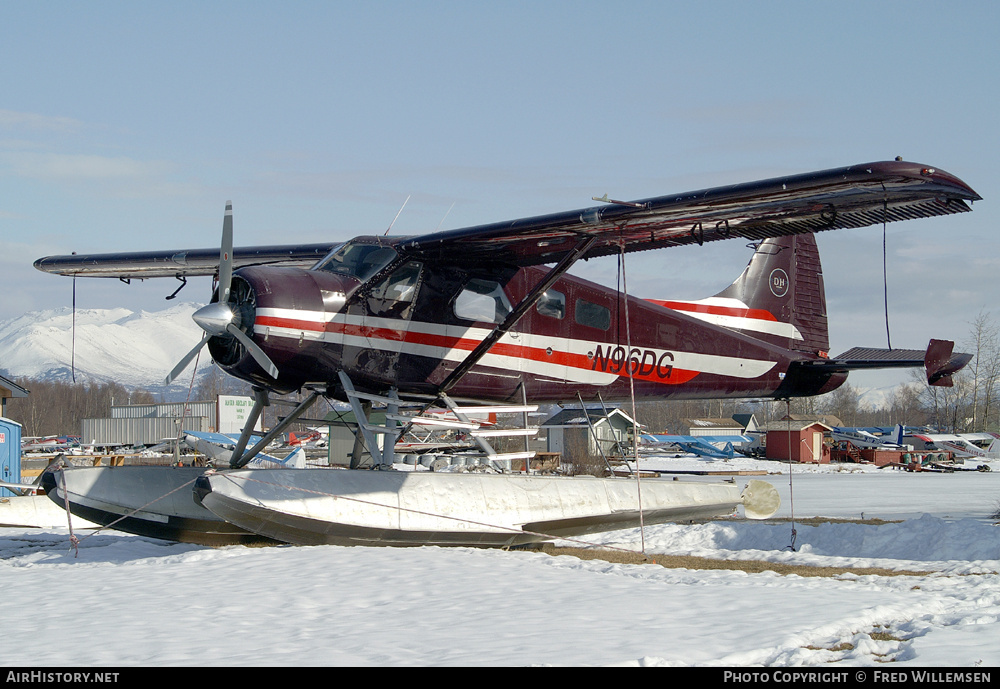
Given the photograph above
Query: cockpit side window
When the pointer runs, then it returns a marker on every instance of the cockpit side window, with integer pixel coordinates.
(359, 261)
(394, 295)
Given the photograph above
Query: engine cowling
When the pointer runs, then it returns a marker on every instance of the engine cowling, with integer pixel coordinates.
(288, 313)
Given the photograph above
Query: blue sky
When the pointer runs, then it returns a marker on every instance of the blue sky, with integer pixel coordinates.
(127, 125)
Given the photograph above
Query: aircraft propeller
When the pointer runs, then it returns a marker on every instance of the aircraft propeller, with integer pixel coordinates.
(226, 317)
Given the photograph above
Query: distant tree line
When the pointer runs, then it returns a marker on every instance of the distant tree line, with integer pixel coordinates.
(57, 407)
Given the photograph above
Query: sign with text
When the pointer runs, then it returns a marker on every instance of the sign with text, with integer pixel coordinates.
(234, 412)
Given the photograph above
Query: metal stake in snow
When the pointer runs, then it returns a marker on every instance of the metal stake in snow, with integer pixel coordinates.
(791, 497)
(73, 540)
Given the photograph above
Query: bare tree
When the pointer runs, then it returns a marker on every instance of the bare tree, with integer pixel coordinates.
(844, 403)
(982, 342)
(905, 406)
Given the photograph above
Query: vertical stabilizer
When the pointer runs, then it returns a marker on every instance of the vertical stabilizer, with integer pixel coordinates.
(779, 298)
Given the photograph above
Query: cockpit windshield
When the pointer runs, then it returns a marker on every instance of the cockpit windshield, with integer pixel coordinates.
(359, 261)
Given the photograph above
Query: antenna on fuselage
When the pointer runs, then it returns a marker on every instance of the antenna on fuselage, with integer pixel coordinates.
(445, 216)
(632, 204)
(397, 216)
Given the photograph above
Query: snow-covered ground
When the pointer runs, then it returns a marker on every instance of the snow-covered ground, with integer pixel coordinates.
(130, 601)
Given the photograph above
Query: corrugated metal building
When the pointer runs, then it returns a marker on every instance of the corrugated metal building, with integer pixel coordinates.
(173, 410)
(149, 424)
(138, 431)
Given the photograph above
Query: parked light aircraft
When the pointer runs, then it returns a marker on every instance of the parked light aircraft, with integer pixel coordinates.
(491, 313)
(868, 438)
(49, 443)
(314, 437)
(218, 447)
(713, 446)
(979, 445)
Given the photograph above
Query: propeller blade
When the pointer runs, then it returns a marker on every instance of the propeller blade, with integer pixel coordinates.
(226, 255)
(256, 352)
(183, 363)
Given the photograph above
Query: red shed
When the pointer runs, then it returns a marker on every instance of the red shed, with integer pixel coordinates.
(805, 439)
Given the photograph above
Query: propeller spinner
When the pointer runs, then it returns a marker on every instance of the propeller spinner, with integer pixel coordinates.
(224, 319)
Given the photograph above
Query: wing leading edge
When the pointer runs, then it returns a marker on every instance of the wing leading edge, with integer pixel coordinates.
(855, 196)
(181, 263)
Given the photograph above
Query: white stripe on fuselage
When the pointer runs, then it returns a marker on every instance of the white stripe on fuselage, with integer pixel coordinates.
(734, 322)
(571, 360)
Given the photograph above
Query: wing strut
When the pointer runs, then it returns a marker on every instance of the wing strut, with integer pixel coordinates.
(260, 401)
(239, 461)
(514, 316)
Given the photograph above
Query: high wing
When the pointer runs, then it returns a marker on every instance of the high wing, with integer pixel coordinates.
(180, 263)
(855, 196)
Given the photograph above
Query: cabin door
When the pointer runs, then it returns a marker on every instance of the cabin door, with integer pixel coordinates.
(381, 313)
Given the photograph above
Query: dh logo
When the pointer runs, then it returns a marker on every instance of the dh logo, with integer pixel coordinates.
(778, 282)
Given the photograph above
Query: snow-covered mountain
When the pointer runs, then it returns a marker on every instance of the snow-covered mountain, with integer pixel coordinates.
(135, 349)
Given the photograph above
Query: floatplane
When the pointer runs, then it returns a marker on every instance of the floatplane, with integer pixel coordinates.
(487, 319)
(984, 446)
(870, 437)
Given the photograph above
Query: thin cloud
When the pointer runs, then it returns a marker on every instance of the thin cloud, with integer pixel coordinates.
(63, 166)
(11, 119)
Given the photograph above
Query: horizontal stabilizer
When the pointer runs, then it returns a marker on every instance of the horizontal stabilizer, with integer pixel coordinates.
(871, 357)
(937, 360)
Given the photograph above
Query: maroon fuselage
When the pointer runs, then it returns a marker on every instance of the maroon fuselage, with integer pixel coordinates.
(408, 326)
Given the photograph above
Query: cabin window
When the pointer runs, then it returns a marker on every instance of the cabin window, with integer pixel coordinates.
(482, 300)
(552, 303)
(593, 315)
(359, 261)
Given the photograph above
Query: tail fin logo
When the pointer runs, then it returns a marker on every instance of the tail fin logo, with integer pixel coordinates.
(778, 282)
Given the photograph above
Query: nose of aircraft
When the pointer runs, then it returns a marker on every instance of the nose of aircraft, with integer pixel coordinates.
(215, 318)
(220, 319)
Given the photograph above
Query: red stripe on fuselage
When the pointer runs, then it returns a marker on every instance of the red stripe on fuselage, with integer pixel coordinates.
(715, 310)
(579, 361)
